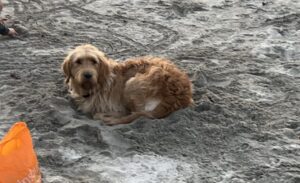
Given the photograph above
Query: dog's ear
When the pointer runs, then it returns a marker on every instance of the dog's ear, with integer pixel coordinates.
(66, 67)
(101, 56)
(103, 68)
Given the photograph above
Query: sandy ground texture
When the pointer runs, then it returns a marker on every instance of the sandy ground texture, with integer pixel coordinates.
(242, 55)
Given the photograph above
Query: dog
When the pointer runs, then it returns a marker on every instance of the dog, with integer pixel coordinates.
(120, 92)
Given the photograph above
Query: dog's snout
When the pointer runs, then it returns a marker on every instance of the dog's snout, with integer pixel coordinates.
(87, 75)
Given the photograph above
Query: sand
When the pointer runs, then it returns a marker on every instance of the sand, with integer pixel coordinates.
(242, 55)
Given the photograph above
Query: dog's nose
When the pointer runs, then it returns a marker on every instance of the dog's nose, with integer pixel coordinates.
(87, 75)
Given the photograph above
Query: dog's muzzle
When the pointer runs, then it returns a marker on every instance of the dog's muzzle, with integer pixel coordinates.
(87, 75)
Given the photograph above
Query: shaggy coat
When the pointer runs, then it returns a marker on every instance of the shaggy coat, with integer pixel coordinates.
(118, 93)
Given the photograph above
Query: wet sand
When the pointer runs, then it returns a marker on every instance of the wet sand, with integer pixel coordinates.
(243, 57)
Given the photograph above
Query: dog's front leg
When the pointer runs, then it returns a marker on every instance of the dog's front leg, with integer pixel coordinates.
(99, 116)
(107, 118)
(112, 120)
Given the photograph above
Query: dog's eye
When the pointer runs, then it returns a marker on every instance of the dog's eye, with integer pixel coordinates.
(78, 61)
(94, 61)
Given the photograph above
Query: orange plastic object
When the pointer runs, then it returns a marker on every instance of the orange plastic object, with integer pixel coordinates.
(18, 161)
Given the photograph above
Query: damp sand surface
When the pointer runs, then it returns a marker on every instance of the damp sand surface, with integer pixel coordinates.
(243, 58)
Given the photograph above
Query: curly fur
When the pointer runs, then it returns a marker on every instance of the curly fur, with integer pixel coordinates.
(118, 93)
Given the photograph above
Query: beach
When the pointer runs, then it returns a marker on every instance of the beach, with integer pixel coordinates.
(243, 57)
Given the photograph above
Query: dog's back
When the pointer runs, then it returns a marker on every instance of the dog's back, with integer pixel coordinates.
(156, 86)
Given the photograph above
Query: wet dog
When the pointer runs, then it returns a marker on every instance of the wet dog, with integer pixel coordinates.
(118, 93)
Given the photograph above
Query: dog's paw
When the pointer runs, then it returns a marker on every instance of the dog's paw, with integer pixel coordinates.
(110, 121)
(106, 118)
(101, 116)
(97, 116)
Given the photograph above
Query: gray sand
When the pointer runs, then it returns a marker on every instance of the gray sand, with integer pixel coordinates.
(243, 57)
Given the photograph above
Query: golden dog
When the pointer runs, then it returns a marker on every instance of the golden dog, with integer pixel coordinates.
(118, 93)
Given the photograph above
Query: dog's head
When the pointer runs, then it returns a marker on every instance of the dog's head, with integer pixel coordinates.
(86, 66)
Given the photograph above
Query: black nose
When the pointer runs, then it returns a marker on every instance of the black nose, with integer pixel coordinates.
(87, 75)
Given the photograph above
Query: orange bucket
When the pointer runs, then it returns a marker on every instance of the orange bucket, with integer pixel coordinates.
(18, 161)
